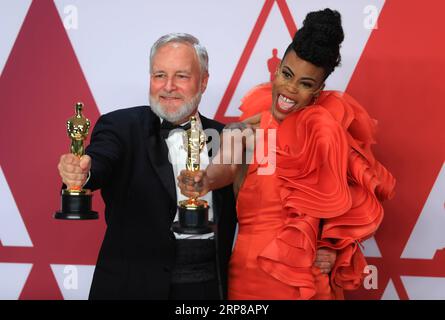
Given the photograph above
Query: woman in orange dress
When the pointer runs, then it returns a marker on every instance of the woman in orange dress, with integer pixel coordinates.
(326, 188)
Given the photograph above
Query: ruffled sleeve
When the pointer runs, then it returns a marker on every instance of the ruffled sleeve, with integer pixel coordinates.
(369, 182)
(312, 164)
(257, 100)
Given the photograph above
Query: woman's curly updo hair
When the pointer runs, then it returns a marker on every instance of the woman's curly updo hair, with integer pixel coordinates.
(318, 41)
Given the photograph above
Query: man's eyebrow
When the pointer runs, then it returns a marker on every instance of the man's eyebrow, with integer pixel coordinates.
(179, 71)
(184, 71)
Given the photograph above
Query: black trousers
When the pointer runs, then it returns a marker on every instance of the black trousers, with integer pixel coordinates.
(195, 275)
(208, 290)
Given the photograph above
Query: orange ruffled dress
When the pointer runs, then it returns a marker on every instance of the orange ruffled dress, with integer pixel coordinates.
(325, 192)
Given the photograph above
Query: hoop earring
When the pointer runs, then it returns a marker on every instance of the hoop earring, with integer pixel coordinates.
(315, 98)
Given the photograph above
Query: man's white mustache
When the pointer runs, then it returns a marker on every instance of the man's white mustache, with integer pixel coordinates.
(171, 96)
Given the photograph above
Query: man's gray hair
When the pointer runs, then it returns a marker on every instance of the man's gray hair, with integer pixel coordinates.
(183, 38)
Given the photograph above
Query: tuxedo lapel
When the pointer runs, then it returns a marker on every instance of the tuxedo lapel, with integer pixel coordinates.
(210, 124)
(158, 154)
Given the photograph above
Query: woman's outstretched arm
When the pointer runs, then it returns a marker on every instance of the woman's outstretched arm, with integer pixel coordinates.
(237, 142)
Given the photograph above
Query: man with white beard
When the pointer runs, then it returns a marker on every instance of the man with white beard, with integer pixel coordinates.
(128, 159)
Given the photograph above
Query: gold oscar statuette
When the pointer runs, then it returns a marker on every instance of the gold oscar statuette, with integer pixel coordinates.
(193, 212)
(76, 201)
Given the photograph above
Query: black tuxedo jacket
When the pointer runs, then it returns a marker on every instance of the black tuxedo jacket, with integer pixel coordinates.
(130, 165)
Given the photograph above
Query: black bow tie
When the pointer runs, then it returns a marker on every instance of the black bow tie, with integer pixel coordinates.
(167, 126)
